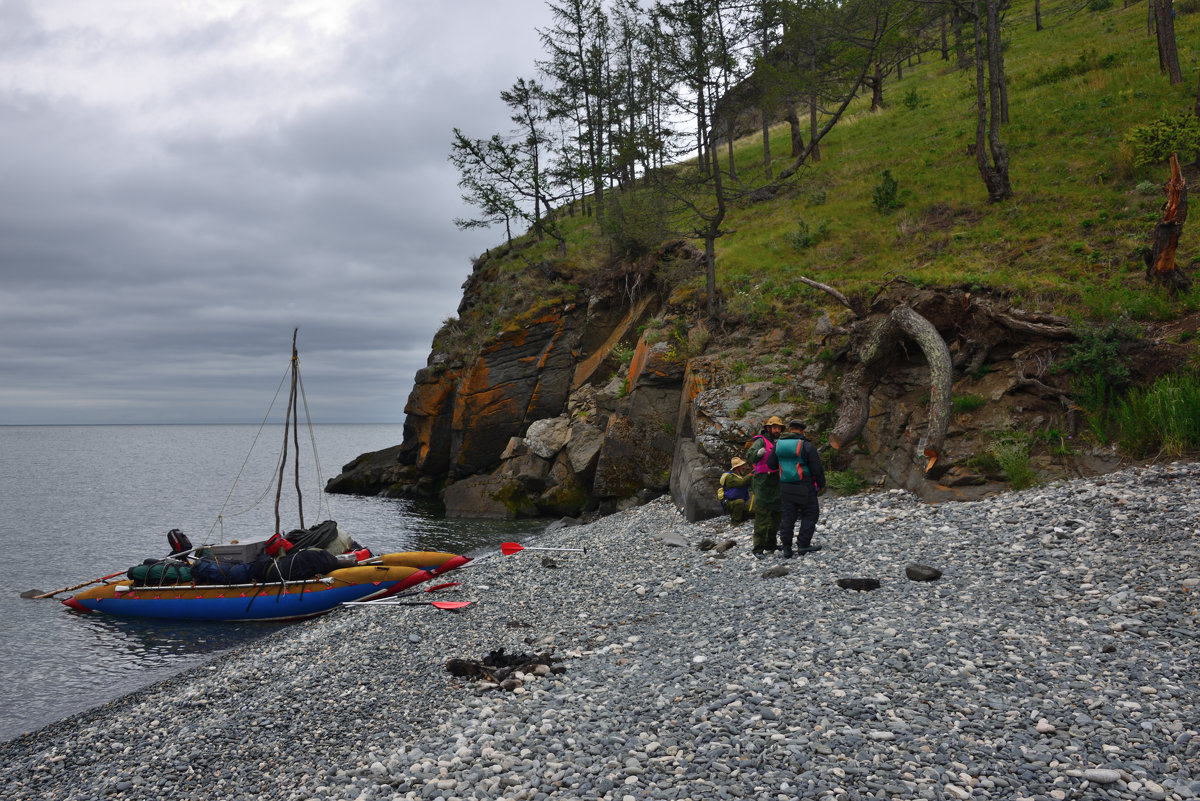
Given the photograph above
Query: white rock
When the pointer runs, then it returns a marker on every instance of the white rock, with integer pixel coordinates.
(1101, 775)
(547, 437)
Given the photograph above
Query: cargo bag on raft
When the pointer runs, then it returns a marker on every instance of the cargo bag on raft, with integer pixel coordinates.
(296, 566)
(222, 571)
(325, 535)
(157, 572)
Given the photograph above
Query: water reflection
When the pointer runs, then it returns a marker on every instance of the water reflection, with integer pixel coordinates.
(155, 643)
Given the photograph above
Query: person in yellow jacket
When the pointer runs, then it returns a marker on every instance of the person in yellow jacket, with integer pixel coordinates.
(734, 491)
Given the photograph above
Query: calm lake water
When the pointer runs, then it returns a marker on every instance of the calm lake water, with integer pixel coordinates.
(80, 502)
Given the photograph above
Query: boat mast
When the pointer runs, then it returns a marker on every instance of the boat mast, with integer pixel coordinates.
(291, 417)
(296, 426)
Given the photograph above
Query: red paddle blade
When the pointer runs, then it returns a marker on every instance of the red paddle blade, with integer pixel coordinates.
(509, 548)
(449, 604)
(447, 585)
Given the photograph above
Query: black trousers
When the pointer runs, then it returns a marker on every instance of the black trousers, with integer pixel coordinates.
(799, 503)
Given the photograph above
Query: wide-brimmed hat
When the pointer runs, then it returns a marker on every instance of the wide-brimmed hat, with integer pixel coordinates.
(796, 424)
(774, 420)
(736, 462)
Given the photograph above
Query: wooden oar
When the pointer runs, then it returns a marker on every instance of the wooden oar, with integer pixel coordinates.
(390, 602)
(509, 548)
(180, 556)
(77, 586)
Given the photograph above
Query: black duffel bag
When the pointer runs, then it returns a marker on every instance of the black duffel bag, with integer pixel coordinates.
(295, 566)
(321, 535)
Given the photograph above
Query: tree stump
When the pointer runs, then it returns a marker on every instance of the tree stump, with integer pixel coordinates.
(1160, 262)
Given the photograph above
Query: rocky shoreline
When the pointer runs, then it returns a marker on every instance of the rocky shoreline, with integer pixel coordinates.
(1057, 657)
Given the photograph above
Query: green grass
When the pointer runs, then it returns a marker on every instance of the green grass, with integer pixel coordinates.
(845, 482)
(966, 403)
(1069, 241)
(1162, 418)
(1011, 452)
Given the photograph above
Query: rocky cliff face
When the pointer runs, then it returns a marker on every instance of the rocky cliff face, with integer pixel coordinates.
(547, 419)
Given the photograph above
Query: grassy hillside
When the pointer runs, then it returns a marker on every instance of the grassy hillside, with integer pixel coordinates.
(1070, 241)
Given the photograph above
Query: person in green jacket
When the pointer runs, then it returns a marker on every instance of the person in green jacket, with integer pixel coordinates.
(801, 480)
(734, 491)
(764, 486)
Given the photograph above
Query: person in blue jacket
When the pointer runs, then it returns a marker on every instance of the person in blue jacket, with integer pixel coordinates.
(801, 480)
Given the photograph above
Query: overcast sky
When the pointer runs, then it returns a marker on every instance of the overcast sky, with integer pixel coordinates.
(182, 183)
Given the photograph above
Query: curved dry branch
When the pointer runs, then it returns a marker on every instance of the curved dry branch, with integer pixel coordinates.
(833, 293)
(1047, 326)
(858, 383)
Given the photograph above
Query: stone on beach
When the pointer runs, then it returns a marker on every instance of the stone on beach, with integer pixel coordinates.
(688, 677)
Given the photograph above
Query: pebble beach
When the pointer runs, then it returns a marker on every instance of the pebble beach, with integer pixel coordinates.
(1057, 657)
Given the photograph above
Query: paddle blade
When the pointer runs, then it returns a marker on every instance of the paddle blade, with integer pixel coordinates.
(449, 604)
(445, 586)
(509, 548)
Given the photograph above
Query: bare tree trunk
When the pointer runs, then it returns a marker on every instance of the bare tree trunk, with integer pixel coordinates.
(960, 47)
(712, 231)
(1160, 262)
(794, 123)
(1037, 15)
(991, 156)
(1168, 54)
(998, 83)
(1151, 13)
(1196, 108)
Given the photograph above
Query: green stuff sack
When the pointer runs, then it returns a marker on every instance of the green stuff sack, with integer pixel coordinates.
(155, 573)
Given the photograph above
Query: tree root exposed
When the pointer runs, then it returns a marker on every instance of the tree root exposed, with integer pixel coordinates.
(876, 332)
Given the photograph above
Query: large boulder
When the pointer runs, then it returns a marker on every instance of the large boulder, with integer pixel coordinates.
(694, 482)
(373, 472)
(493, 497)
(547, 437)
(583, 449)
(519, 462)
(720, 424)
(565, 494)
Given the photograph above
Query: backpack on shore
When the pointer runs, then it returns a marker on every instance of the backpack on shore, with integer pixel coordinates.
(793, 467)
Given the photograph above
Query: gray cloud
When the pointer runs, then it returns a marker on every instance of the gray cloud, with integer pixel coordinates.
(179, 191)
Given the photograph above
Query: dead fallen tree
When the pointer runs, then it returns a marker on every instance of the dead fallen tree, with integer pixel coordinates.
(883, 325)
